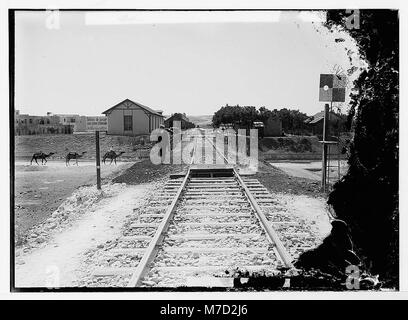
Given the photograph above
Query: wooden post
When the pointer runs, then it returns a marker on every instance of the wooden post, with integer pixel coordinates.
(98, 161)
(325, 135)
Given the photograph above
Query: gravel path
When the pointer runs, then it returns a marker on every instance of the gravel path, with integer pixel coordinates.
(54, 256)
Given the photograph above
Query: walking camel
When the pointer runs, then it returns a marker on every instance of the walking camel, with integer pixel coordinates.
(41, 155)
(73, 155)
(111, 155)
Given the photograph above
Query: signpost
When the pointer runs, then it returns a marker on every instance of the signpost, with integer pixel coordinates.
(98, 161)
(332, 89)
(324, 155)
(97, 124)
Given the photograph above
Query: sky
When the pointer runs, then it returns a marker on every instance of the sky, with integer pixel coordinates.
(84, 63)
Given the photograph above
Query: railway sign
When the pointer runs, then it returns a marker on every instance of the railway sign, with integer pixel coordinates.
(97, 123)
(332, 88)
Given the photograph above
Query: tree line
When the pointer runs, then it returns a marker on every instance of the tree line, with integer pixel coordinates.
(293, 121)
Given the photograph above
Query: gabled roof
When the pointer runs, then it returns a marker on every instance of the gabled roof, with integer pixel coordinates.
(183, 117)
(147, 109)
(320, 116)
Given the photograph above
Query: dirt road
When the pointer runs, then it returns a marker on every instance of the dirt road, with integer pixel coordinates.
(58, 263)
(309, 169)
(39, 190)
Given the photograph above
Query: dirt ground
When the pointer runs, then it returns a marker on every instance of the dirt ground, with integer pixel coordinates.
(146, 171)
(310, 169)
(57, 262)
(276, 180)
(39, 190)
(63, 218)
(55, 255)
(61, 144)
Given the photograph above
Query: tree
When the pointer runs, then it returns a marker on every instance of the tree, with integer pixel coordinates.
(367, 196)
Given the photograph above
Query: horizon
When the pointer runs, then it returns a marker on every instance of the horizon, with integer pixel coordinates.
(170, 65)
(165, 115)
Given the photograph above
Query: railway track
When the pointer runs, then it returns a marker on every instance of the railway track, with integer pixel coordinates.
(201, 229)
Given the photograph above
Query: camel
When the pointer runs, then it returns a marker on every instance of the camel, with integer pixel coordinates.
(73, 155)
(111, 155)
(41, 155)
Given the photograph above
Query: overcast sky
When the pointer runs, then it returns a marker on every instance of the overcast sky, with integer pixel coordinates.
(91, 62)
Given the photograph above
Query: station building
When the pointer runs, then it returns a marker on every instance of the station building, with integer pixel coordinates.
(129, 118)
(316, 123)
(184, 121)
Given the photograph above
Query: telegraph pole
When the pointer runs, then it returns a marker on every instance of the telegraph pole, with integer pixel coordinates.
(98, 161)
(325, 136)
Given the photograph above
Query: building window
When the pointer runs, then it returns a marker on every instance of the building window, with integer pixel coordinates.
(31, 121)
(127, 123)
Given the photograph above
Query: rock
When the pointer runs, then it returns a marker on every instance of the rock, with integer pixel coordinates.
(56, 214)
(148, 283)
(40, 239)
(52, 225)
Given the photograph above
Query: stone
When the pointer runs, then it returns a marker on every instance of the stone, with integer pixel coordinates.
(52, 225)
(40, 239)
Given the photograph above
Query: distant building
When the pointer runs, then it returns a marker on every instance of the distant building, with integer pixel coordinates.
(273, 127)
(316, 123)
(131, 118)
(259, 125)
(26, 124)
(76, 121)
(185, 122)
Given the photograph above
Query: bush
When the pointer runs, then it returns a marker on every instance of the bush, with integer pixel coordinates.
(367, 196)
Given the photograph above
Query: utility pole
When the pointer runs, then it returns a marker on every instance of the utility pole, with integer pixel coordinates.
(325, 140)
(98, 161)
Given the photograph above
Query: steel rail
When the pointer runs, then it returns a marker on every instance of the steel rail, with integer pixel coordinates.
(151, 251)
(272, 234)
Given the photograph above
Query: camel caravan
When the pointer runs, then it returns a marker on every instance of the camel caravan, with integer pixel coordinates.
(112, 155)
